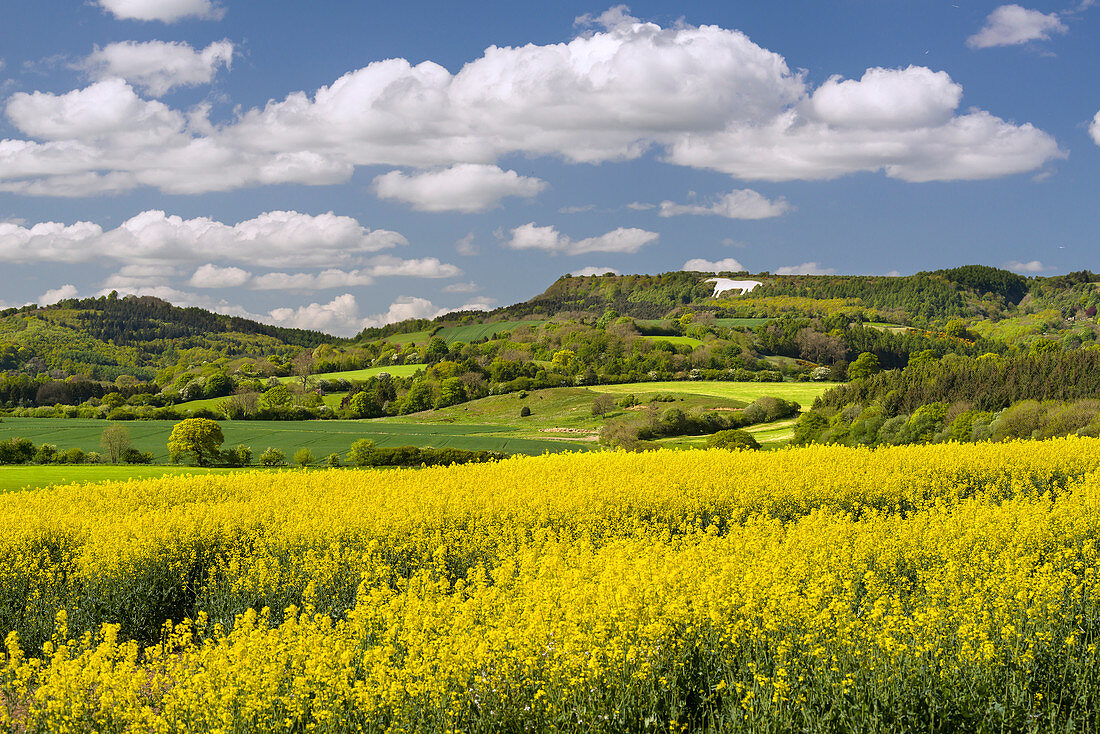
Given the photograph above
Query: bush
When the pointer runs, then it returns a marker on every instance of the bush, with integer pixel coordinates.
(242, 455)
(16, 451)
(333, 460)
(133, 456)
(72, 456)
(733, 438)
(272, 457)
(361, 453)
(303, 457)
(46, 454)
(524, 412)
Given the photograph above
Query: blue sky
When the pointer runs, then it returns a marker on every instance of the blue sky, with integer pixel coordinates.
(334, 165)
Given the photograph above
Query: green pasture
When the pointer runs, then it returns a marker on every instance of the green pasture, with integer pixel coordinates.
(320, 437)
(397, 370)
(677, 340)
(555, 407)
(34, 476)
(769, 435)
(804, 393)
(883, 326)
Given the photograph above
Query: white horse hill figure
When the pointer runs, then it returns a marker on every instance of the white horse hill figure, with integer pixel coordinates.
(724, 285)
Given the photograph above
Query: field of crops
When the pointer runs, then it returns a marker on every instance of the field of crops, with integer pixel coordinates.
(803, 393)
(44, 475)
(320, 437)
(936, 588)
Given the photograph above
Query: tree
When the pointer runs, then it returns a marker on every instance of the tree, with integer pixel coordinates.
(272, 457)
(733, 438)
(436, 351)
(115, 440)
(452, 391)
(602, 404)
(303, 457)
(199, 438)
(361, 453)
(418, 398)
(865, 365)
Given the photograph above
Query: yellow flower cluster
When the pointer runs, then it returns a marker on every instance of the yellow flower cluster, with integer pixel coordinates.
(942, 588)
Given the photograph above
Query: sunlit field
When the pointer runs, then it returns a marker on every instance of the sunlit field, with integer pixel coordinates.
(934, 588)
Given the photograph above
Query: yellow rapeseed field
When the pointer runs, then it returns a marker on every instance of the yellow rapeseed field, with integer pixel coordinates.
(932, 588)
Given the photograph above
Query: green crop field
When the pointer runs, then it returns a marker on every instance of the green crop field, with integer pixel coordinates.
(803, 393)
(677, 340)
(33, 476)
(320, 437)
(397, 370)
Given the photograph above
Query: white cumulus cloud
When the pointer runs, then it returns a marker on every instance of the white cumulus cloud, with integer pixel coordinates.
(852, 129)
(739, 204)
(212, 276)
(725, 265)
(808, 268)
(704, 97)
(622, 240)
(595, 270)
(1032, 266)
(58, 294)
(157, 66)
(1011, 25)
(273, 239)
(167, 11)
(1094, 129)
(466, 187)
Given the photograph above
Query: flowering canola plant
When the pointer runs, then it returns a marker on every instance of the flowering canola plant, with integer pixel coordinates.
(942, 588)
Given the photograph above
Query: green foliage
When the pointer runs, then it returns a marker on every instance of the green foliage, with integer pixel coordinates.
(361, 452)
(733, 439)
(303, 457)
(115, 440)
(991, 383)
(272, 457)
(865, 365)
(197, 438)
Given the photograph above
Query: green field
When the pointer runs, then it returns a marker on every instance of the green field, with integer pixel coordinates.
(677, 340)
(397, 370)
(556, 407)
(803, 393)
(320, 437)
(32, 477)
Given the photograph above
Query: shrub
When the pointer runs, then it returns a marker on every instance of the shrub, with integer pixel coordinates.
(524, 412)
(133, 456)
(303, 457)
(733, 438)
(272, 457)
(333, 460)
(361, 453)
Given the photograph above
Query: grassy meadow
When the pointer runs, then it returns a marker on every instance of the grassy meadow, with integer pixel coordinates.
(803, 393)
(32, 476)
